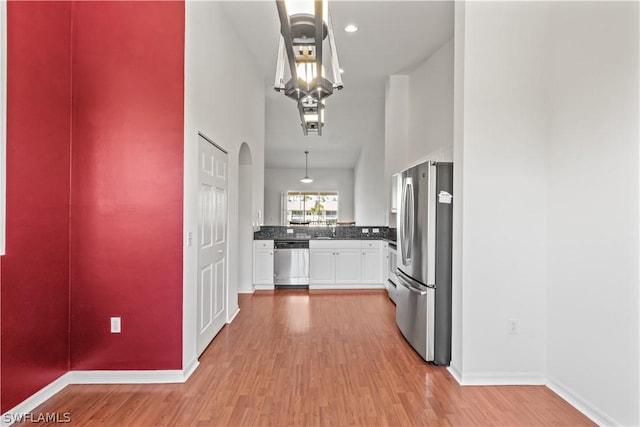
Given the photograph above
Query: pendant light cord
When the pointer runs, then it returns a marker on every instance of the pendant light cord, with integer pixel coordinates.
(306, 163)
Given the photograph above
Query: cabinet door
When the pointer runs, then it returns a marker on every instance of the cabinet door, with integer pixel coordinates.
(348, 264)
(322, 267)
(372, 266)
(395, 185)
(263, 267)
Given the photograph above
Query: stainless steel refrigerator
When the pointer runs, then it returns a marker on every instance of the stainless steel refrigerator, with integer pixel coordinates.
(423, 297)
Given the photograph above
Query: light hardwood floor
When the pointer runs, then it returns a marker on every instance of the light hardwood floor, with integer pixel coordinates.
(321, 358)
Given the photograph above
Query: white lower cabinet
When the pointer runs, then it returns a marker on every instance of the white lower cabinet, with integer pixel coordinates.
(348, 263)
(345, 264)
(385, 264)
(322, 266)
(263, 264)
(372, 261)
(371, 266)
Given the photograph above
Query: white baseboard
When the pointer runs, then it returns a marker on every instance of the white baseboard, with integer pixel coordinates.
(501, 378)
(334, 286)
(581, 404)
(455, 373)
(233, 316)
(524, 378)
(32, 402)
(95, 377)
(189, 369)
(246, 291)
(126, 377)
(265, 287)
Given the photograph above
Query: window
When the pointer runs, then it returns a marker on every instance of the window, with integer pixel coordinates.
(312, 207)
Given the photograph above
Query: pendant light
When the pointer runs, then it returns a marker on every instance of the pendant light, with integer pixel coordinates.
(306, 179)
(306, 38)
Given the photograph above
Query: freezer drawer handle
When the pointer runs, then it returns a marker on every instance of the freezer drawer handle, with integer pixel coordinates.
(404, 280)
(406, 284)
(415, 291)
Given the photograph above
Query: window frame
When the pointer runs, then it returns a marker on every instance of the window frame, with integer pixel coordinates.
(303, 209)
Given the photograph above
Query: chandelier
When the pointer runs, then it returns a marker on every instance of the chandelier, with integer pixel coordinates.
(305, 26)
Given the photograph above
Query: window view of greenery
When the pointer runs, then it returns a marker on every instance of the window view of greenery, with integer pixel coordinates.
(312, 208)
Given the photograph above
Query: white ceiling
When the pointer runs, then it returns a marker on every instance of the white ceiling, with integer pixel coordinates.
(393, 38)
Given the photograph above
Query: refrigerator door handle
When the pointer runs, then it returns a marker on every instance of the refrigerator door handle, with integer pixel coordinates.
(406, 233)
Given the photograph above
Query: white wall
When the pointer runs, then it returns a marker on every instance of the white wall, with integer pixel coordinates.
(396, 124)
(246, 219)
(278, 181)
(369, 202)
(546, 149)
(396, 133)
(504, 200)
(431, 104)
(458, 143)
(418, 117)
(219, 79)
(592, 349)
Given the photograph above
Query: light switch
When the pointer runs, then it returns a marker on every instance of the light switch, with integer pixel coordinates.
(365, 230)
(375, 230)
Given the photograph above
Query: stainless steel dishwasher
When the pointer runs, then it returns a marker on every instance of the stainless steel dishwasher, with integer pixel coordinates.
(291, 264)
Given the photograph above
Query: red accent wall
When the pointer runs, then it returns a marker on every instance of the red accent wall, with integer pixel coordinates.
(127, 184)
(95, 99)
(35, 270)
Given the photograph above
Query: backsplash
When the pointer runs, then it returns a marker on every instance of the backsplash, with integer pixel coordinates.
(304, 232)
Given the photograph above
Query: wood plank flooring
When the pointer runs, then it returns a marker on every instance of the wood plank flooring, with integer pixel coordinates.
(294, 358)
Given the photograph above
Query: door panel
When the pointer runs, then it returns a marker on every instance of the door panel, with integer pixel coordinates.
(322, 266)
(206, 290)
(263, 267)
(221, 208)
(348, 262)
(219, 290)
(212, 242)
(371, 266)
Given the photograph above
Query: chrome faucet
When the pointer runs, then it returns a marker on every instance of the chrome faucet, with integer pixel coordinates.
(333, 232)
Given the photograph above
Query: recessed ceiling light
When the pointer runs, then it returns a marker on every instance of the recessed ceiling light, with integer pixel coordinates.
(351, 28)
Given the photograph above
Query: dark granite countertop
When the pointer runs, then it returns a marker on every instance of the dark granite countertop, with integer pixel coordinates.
(272, 232)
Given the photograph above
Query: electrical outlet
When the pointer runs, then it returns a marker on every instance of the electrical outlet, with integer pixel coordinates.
(375, 230)
(115, 325)
(289, 230)
(365, 230)
(513, 327)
